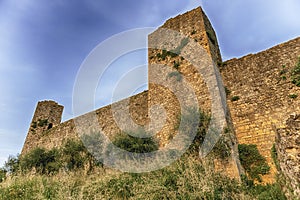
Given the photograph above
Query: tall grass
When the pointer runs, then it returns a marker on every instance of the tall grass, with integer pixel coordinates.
(184, 179)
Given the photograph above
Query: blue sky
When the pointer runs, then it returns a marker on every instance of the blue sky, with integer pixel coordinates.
(43, 43)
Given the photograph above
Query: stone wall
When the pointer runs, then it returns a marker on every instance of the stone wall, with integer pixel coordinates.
(102, 120)
(264, 88)
(176, 82)
(288, 151)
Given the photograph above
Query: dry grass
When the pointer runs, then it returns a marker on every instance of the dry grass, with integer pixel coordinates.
(184, 179)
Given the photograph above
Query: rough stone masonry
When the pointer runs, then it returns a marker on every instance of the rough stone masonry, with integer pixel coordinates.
(258, 86)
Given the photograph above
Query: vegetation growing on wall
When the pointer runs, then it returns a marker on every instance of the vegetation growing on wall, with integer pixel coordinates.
(72, 156)
(136, 144)
(235, 98)
(174, 52)
(34, 124)
(295, 74)
(211, 37)
(42, 122)
(253, 162)
(275, 156)
(227, 91)
(221, 148)
(293, 96)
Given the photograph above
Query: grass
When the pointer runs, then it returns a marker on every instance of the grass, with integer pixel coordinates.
(184, 179)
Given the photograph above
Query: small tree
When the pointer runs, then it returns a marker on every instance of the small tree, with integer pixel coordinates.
(75, 154)
(136, 144)
(43, 161)
(12, 165)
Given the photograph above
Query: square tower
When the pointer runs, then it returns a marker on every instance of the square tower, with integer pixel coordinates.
(47, 115)
(170, 61)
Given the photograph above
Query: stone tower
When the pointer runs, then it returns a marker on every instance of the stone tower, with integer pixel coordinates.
(183, 71)
(193, 28)
(196, 25)
(47, 115)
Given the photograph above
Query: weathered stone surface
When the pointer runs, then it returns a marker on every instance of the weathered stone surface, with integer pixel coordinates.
(288, 150)
(47, 115)
(264, 95)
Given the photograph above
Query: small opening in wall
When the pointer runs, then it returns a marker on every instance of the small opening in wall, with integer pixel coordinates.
(50, 126)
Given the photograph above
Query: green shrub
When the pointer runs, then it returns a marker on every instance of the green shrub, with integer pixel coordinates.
(275, 156)
(269, 192)
(221, 148)
(253, 162)
(43, 161)
(235, 98)
(164, 54)
(12, 165)
(227, 91)
(2, 175)
(72, 155)
(193, 124)
(121, 188)
(176, 65)
(283, 71)
(295, 75)
(42, 122)
(35, 159)
(34, 124)
(174, 52)
(135, 144)
(75, 154)
(293, 96)
(211, 37)
(53, 161)
(183, 43)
